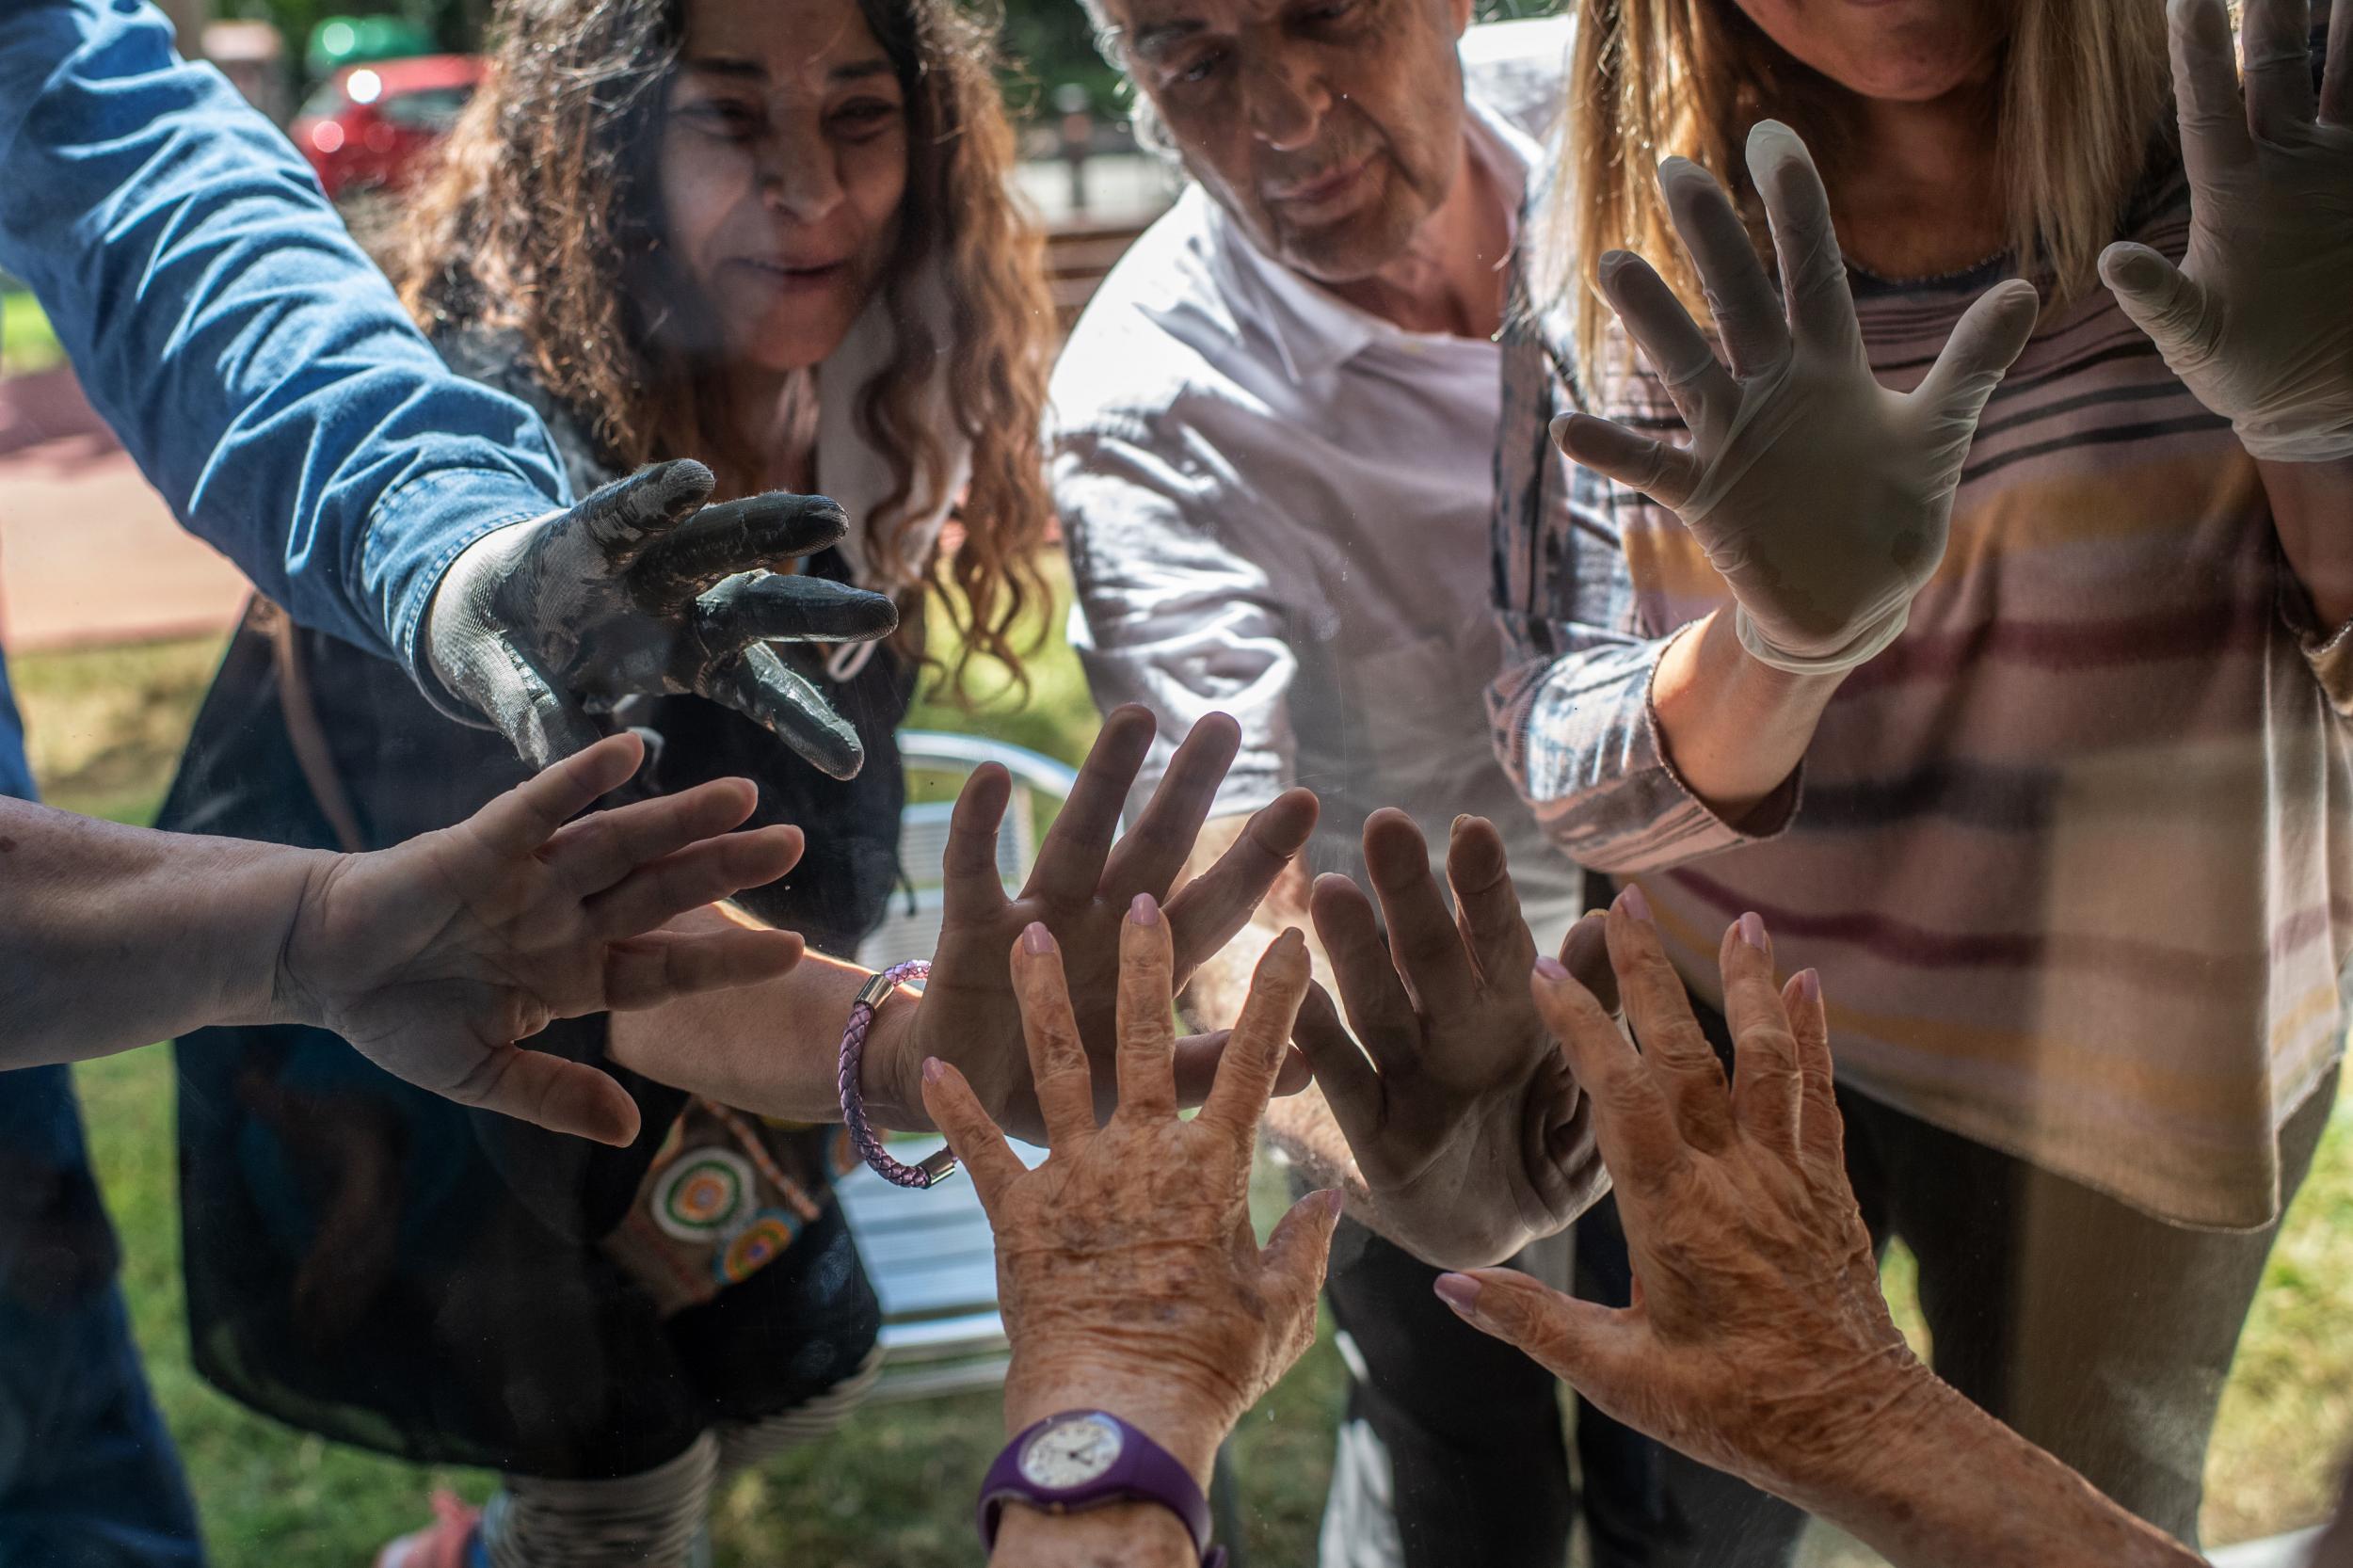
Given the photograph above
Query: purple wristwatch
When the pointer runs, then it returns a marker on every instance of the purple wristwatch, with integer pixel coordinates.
(1085, 1459)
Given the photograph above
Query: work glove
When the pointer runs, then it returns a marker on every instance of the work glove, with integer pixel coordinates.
(1820, 496)
(2258, 319)
(641, 590)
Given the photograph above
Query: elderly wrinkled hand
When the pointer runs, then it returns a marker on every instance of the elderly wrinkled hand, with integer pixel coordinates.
(1128, 1272)
(1821, 497)
(2258, 318)
(434, 957)
(642, 590)
(1758, 1340)
(1460, 1110)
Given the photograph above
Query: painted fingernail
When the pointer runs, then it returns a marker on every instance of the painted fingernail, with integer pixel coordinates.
(1632, 904)
(1810, 985)
(1753, 930)
(933, 1069)
(1144, 909)
(1551, 971)
(1036, 939)
(1459, 1291)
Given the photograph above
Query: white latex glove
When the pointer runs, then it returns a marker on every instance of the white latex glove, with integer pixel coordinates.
(2258, 319)
(1821, 496)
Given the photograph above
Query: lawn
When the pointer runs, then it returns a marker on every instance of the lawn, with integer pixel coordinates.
(893, 1489)
(27, 343)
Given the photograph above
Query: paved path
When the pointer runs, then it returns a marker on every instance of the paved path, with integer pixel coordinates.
(88, 553)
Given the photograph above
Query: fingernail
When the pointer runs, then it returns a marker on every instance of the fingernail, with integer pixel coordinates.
(1144, 909)
(1551, 971)
(1459, 1291)
(1036, 939)
(1333, 1200)
(1460, 818)
(933, 1069)
(1753, 930)
(1632, 904)
(1810, 985)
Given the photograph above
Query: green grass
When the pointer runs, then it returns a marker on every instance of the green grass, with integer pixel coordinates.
(26, 342)
(893, 1489)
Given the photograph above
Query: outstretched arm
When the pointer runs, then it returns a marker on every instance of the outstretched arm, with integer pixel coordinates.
(260, 370)
(1759, 1341)
(433, 958)
(775, 1049)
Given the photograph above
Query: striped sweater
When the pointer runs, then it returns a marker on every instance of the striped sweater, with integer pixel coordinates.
(2073, 856)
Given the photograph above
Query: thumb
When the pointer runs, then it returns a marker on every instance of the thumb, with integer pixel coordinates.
(2160, 299)
(544, 724)
(548, 1090)
(1989, 337)
(1584, 1344)
(1302, 1243)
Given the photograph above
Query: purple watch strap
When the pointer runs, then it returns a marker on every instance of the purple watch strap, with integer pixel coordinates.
(1144, 1472)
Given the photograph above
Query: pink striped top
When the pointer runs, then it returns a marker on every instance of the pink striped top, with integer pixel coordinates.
(2075, 854)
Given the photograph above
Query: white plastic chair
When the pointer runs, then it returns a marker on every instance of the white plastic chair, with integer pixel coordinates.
(930, 1254)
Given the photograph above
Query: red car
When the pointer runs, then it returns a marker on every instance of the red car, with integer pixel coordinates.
(367, 125)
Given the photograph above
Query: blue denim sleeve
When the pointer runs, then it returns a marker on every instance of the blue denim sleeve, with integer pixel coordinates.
(254, 363)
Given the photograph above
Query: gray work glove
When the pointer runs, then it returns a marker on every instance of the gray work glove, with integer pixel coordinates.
(641, 589)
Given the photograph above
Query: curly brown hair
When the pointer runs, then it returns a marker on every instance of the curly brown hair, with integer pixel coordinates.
(541, 218)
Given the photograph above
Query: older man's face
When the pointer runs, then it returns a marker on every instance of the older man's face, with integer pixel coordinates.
(1331, 129)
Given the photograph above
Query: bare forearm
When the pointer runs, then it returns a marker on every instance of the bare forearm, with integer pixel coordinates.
(113, 938)
(1735, 729)
(2312, 507)
(1946, 1484)
(775, 1049)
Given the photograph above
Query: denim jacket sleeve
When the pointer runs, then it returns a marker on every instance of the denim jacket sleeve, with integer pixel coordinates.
(254, 363)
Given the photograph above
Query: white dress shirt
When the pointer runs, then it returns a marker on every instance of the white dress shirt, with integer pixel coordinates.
(1277, 505)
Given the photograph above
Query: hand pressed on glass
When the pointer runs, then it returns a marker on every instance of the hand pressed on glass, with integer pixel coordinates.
(1822, 497)
(1465, 1123)
(432, 957)
(1081, 891)
(1758, 1340)
(642, 590)
(1129, 1275)
(2258, 318)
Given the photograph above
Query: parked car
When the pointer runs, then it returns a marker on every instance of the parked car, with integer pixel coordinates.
(367, 126)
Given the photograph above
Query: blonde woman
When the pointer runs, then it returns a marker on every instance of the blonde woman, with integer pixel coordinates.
(2012, 692)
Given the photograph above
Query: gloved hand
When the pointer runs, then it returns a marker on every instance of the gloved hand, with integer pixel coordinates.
(2258, 319)
(1820, 496)
(641, 590)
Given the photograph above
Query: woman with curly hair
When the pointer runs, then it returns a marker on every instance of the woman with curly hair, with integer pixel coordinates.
(778, 237)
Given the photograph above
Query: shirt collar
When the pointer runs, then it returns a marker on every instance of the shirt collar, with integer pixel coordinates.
(1315, 329)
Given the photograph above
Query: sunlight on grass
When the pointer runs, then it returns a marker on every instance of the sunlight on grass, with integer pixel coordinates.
(28, 344)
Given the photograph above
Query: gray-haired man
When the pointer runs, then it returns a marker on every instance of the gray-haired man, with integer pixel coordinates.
(1273, 461)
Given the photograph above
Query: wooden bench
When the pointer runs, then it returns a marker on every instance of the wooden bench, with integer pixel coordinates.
(1078, 258)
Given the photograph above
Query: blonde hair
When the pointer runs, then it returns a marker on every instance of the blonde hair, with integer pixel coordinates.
(2083, 91)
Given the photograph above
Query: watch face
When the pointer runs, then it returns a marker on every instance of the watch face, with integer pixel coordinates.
(1071, 1452)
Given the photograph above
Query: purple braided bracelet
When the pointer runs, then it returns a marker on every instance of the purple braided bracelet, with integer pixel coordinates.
(935, 1168)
